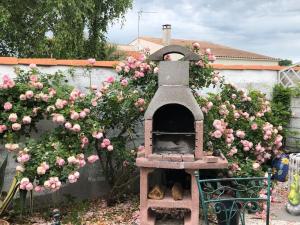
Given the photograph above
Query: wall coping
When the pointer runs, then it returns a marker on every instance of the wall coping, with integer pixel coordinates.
(112, 64)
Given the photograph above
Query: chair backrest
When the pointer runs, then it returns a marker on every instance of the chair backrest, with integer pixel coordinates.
(229, 198)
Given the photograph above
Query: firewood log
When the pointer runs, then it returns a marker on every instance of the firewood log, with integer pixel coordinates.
(156, 193)
(177, 192)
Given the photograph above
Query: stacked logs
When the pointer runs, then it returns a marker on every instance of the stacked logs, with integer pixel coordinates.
(158, 192)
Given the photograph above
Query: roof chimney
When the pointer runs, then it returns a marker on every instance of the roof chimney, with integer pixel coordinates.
(166, 38)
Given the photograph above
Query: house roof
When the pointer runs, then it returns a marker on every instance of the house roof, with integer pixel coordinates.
(220, 51)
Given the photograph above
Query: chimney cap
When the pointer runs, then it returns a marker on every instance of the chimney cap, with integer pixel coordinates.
(166, 26)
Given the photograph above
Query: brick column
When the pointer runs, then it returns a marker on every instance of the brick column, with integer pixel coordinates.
(195, 200)
(199, 139)
(148, 137)
(145, 218)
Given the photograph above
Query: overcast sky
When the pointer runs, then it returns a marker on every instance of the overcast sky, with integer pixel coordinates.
(269, 27)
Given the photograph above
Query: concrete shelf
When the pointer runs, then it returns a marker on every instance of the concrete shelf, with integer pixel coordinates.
(169, 202)
(197, 164)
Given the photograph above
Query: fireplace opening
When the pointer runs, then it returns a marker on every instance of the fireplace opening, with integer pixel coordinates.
(173, 129)
(169, 183)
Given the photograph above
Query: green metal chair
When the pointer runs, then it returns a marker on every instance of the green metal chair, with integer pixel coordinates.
(229, 198)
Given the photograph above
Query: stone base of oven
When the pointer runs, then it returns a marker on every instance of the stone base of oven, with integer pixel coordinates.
(190, 200)
(205, 163)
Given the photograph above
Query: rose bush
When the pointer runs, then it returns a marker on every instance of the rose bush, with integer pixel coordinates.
(237, 123)
(55, 157)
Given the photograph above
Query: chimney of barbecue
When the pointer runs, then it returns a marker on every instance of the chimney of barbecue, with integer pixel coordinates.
(166, 36)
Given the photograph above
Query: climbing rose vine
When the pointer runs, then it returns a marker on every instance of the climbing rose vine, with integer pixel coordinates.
(236, 123)
(55, 157)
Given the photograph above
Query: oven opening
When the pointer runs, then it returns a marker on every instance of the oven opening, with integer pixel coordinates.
(173, 130)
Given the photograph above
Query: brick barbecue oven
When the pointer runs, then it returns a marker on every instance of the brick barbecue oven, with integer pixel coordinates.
(173, 142)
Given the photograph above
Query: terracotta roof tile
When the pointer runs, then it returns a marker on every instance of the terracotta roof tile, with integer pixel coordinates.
(38, 61)
(134, 54)
(220, 51)
(111, 64)
(54, 62)
(8, 60)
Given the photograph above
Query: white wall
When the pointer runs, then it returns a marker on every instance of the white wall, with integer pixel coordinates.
(263, 80)
(80, 80)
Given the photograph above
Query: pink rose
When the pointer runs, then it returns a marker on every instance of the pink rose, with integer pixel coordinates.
(84, 140)
(254, 126)
(33, 78)
(29, 94)
(26, 120)
(156, 70)
(60, 161)
(87, 110)
(32, 66)
(12, 117)
(208, 51)
(22, 97)
(93, 158)
(41, 170)
(124, 82)
(110, 148)
(217, 134)
(141, 101)
(118, 69)
(2, 128)
(141, 148)
(7, 106)
(217, 124)
(82, 114)
(91, 61)
(97, 135)
(29, 187)
(20, 168)
(76, 174)
(23, 158)
(126, 69)
(102, 145)
(72, 160)
(94, 102)
(212, 58)
(74, 115)
(11, 147)
(60, 119)
(236, 115)
(16, 126)
(106, 141)
(209, 105)
(241, 134)
(110, 79)
(255, 166)
(38, 188)
(196, 45)
(59, 104)
(76, 128)
(72, 179)
(68, 125)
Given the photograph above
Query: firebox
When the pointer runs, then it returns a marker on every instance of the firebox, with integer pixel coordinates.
(173, 140)
(173, 130)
